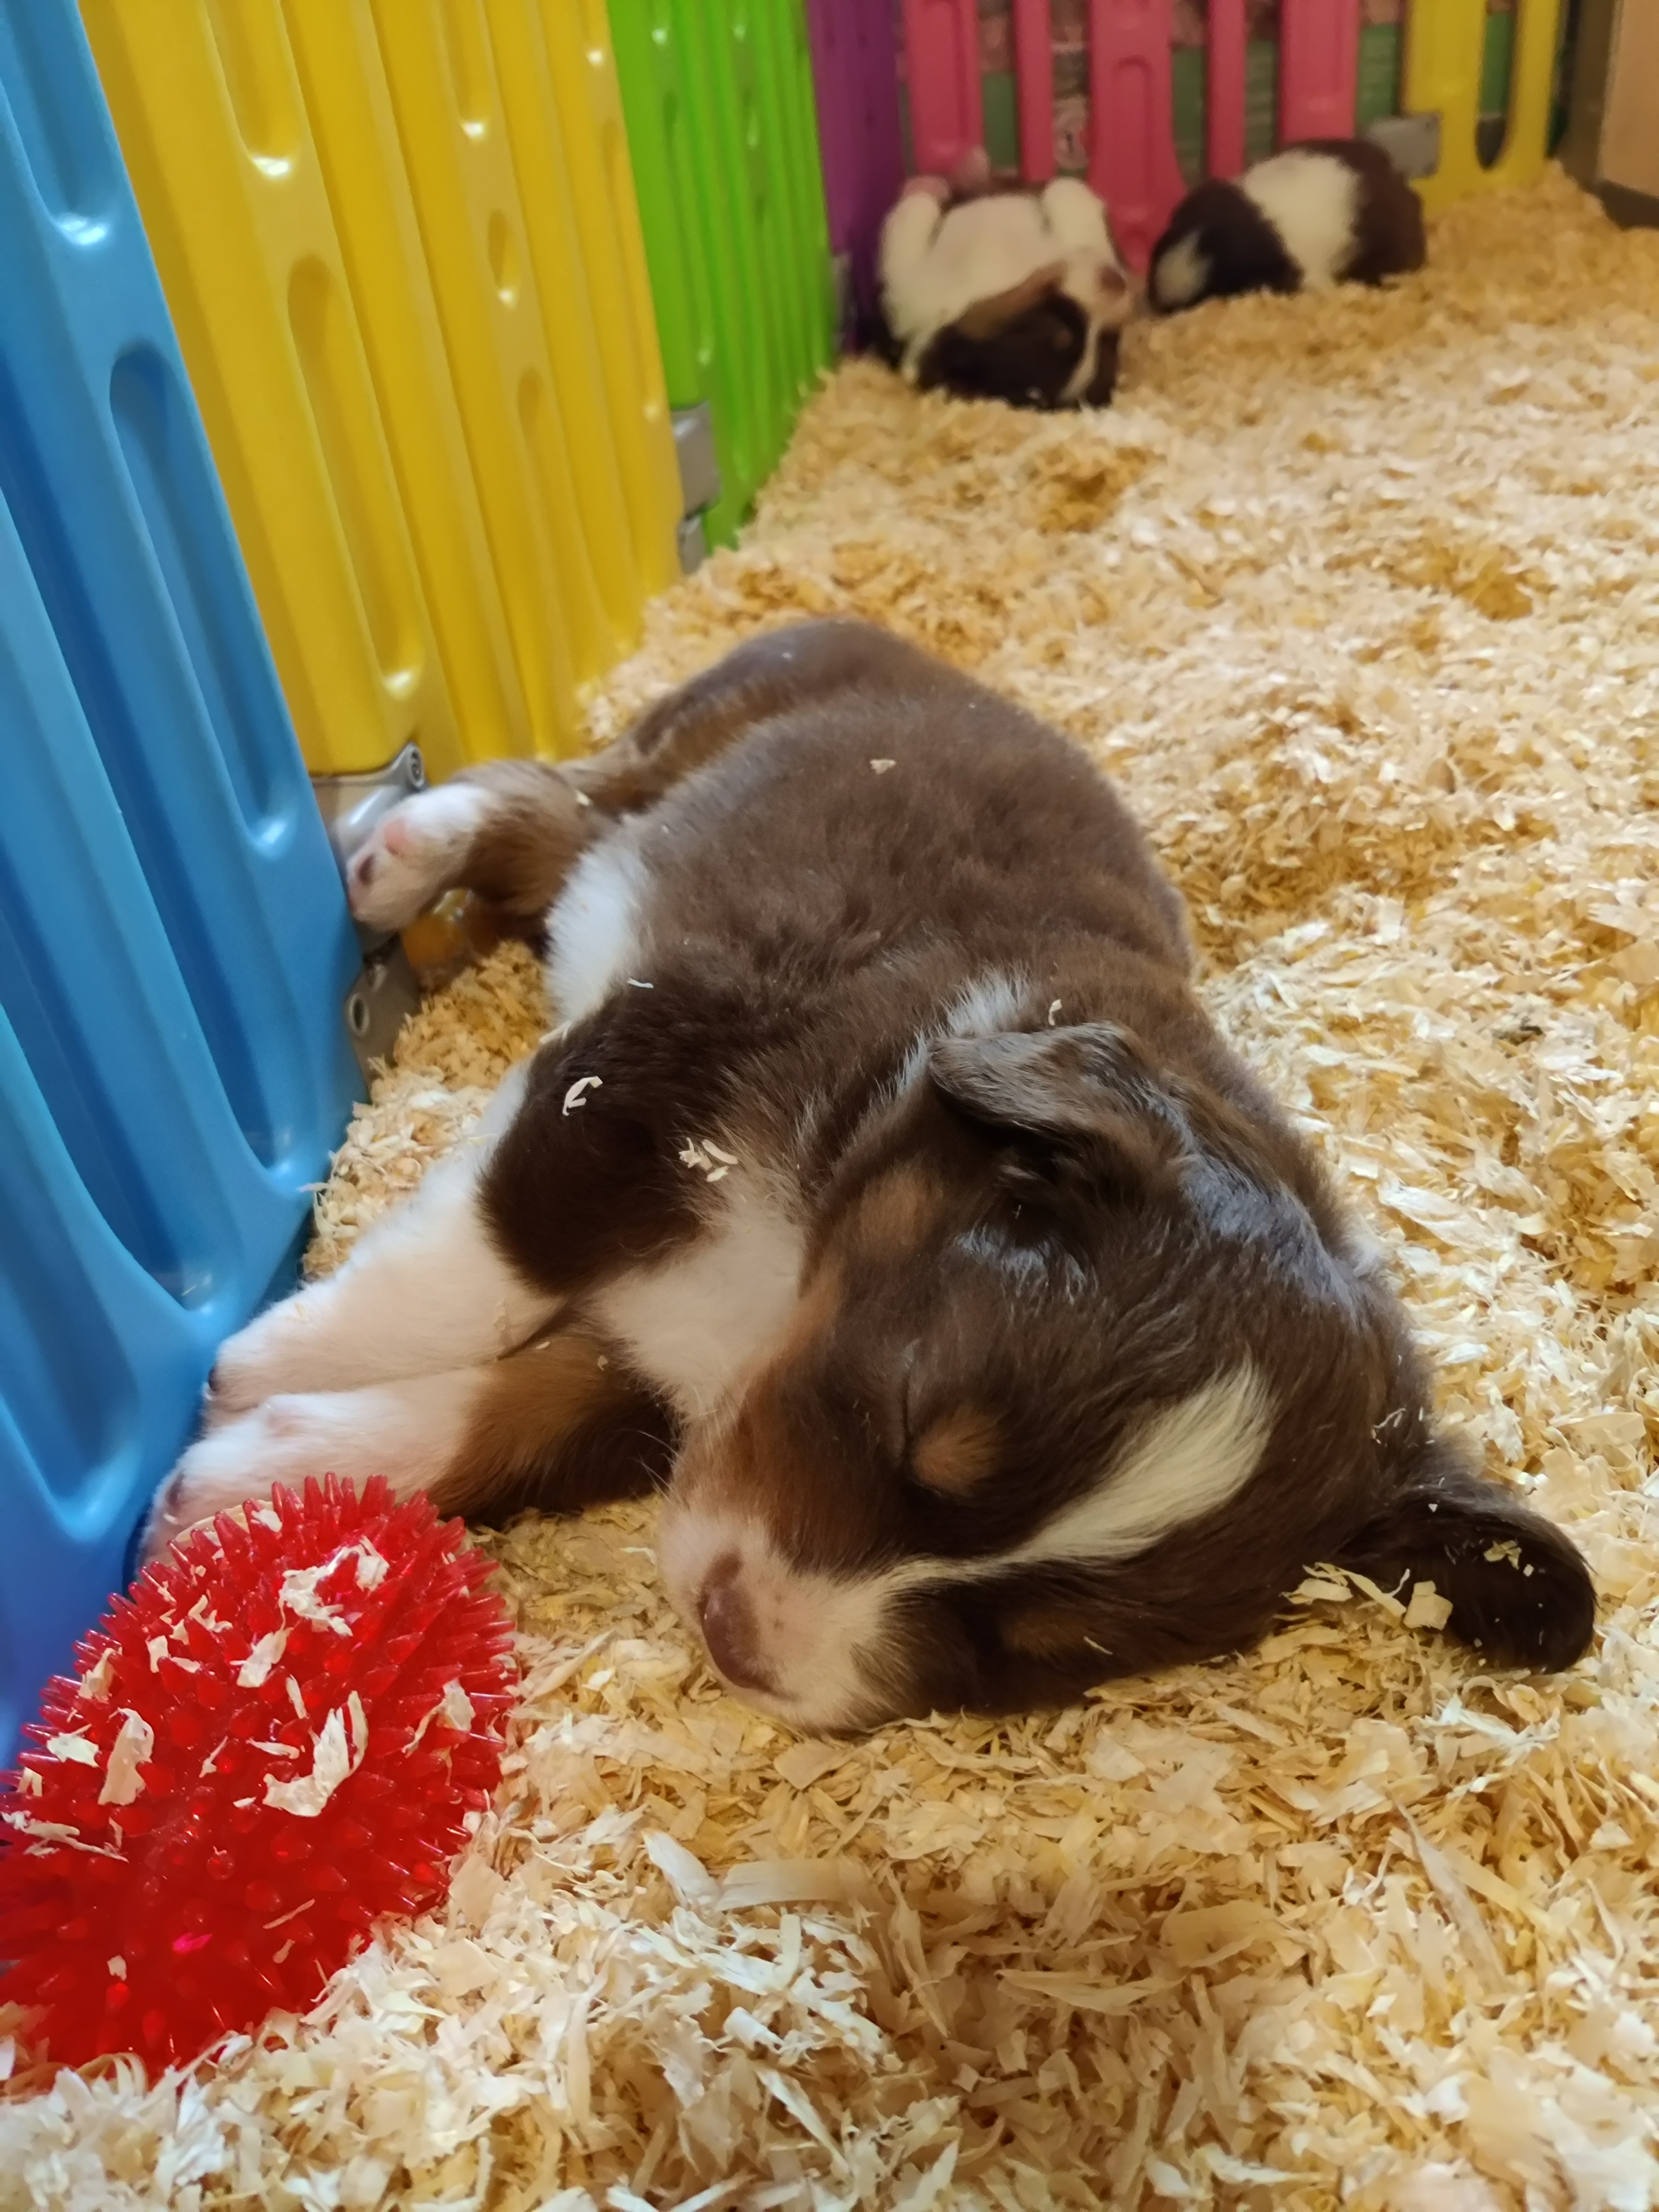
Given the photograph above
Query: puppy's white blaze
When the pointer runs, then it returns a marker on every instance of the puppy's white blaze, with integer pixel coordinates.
(812, 1632)
(1188, 1462)
(808, 1629)
(593, 929)
(1180, 276)
(696, 1322)
(1310, 199)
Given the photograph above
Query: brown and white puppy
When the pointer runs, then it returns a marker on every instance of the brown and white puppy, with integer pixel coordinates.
(1004, 295)
(887, 1188)
(1327, 211)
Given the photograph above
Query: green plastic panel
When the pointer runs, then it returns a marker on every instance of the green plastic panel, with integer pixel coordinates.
(722, 129)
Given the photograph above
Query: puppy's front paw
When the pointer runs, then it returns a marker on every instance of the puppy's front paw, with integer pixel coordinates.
(414, 853)
(287, 1439)
(218, 1473)
(287, 1348)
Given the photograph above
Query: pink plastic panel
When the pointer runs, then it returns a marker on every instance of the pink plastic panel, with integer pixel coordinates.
(1318, 68)
(1224, 89)
(1132, 162)
(941, 48)
(1034, 74)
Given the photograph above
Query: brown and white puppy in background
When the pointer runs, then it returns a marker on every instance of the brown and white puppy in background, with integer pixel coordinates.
(1014, 295)
(888, 1190)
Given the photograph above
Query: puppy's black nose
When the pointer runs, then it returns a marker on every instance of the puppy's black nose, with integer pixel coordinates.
(728, 1628)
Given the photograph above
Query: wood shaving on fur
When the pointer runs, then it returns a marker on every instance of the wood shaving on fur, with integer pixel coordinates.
(1357, 596)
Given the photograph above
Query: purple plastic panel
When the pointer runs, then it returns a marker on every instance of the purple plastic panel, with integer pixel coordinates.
(855, 68)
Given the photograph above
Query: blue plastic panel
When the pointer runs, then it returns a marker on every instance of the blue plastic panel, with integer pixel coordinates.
(174, 947)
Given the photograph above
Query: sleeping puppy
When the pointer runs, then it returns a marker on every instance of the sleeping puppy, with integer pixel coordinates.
(887, 1191)
(1327, 211)
(1015, 295)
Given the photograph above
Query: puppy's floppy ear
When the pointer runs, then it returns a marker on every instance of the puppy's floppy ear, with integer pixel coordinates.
(1519, 1589)
(987, 317)
(1088, 1093)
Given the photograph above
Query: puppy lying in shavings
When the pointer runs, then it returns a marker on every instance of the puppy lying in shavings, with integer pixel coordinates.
(1003, 293)
(889, 1198)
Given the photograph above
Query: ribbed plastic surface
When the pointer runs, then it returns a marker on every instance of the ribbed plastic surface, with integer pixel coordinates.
(399, 241)
(1237, 96)
(174, 947)
(855, 72)
(1445, 41)
(723, 137)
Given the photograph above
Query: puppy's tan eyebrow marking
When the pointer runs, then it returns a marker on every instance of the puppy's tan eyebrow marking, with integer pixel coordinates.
(956, 1451)
(896, 1212)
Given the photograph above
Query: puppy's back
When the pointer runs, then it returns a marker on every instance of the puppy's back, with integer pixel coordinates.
(890, 790)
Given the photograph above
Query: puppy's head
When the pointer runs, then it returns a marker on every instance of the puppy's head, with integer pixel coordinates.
(1086, 1373)
(1051, 341)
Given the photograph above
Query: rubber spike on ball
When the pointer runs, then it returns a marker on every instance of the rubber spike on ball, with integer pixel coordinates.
(285, 1733)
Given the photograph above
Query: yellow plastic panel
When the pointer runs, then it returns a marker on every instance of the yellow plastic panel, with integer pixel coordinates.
(348, 108)
(622, 317)
(399, 241)
(1445, 47)
(213, 126)
(441, 72)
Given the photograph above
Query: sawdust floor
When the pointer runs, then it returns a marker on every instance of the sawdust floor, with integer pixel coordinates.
(1358, 597)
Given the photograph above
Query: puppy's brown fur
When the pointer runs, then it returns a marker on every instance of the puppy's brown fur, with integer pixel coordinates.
(1078, 1209)
(890, 1194)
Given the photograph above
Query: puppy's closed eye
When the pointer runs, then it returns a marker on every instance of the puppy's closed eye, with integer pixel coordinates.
(956, 1451)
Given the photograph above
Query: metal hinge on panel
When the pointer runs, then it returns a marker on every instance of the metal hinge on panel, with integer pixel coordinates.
(384, 992)
(692, 542)
(1411, 142)
(700, 480)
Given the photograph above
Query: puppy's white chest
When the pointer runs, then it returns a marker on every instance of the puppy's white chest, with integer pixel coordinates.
(693, 1323)
(595, 928)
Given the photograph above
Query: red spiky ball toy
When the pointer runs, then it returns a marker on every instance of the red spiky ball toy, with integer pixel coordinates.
(285, 1732)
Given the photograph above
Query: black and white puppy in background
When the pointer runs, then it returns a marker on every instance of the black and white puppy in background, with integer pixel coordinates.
(1329, 211)
(1016, 295)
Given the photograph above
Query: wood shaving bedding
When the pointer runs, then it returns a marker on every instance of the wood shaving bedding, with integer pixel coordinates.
(1357, 596)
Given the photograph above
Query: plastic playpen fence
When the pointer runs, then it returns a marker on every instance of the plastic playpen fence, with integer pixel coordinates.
(400, 244)
(174, 947)
(722, 126)
(405, 262)
(856, 63)
(1131, 160)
